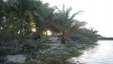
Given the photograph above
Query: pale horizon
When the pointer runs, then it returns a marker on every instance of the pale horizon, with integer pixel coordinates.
(97, 13)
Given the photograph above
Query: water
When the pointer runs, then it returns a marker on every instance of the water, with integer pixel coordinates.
(100, 54)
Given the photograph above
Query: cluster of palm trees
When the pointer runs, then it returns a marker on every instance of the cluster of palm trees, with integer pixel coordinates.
(24, 24)
(28, 17)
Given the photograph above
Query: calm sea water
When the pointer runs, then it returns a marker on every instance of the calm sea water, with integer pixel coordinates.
(100, 54)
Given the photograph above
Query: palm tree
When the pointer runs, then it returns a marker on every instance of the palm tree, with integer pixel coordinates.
(17, 16)
(64, 22)
(44, 15)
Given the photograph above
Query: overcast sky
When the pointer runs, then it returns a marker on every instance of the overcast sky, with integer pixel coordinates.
(97, 13)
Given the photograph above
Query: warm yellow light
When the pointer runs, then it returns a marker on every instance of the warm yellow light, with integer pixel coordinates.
(33, 29)
(48, 33)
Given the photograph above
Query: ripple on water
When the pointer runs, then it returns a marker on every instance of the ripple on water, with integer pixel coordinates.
(101, 54)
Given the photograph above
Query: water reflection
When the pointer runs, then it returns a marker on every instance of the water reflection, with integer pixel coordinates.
(101, 54)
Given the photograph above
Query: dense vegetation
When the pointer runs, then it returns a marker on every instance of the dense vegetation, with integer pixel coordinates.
(23, 30)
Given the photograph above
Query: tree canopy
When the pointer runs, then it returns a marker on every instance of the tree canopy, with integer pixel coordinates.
(24, 22)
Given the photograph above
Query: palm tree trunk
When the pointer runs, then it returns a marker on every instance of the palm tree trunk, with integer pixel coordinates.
(62, 38)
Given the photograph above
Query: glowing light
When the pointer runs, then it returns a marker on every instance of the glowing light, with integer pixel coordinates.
(33, 29)
(48, 33)
(19, 32)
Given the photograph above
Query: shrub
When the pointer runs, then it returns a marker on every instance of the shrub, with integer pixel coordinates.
(55, 55)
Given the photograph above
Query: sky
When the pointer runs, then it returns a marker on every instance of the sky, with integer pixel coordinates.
(97, 13)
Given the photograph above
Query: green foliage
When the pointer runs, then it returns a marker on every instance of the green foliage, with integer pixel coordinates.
(19, 17)
(4, 51)
(55, 55)
(86, 36)
(33, 46)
